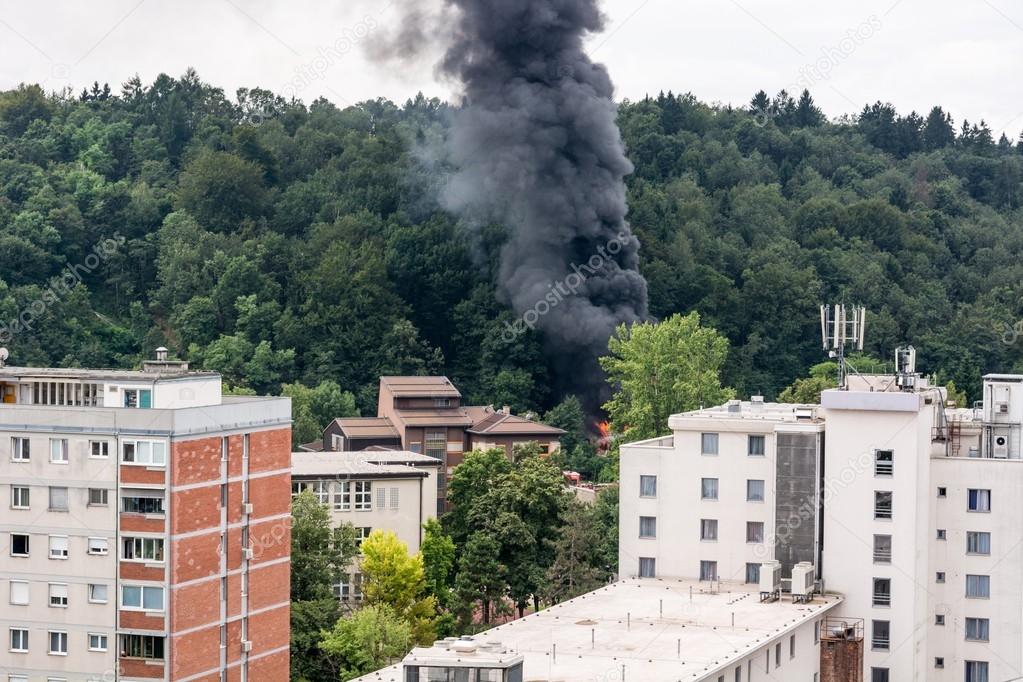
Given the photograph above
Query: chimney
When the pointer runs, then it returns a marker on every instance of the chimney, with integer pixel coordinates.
(161, 354)
(506, 409)
(163, 364)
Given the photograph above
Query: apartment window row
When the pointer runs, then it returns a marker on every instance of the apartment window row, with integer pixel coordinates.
(59, 546)
(58, 594)
(345, 495)
(56, 645)
(59, 449)
(58, 497)
(755, 445)
(709, 531)
(709, 489)
(150, 502)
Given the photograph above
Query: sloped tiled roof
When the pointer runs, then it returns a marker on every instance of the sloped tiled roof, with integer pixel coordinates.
(367, 427)
(487, 420)
(420, 387)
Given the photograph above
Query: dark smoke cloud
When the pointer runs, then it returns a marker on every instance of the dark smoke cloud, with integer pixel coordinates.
(537, 148)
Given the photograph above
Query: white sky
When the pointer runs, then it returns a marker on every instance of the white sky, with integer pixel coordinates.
(962, 54)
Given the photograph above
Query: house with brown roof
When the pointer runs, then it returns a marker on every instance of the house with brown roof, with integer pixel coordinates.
(425, 415)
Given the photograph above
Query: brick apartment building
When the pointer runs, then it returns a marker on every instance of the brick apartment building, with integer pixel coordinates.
(424, 414)
(147, 536)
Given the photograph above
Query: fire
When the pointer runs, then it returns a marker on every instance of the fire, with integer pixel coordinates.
(604, 428)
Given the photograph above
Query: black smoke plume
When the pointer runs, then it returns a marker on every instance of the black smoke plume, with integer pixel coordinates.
(536, 148)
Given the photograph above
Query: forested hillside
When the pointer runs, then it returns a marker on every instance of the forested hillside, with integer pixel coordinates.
(280, 242)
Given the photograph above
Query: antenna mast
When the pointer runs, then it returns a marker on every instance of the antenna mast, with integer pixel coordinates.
(842, 326)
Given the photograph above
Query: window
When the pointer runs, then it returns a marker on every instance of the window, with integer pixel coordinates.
(939, 619)
(320, 490)
(882, 592)
(98, 497)
(755, 446)
(394, 499)
(978, 629)
(363, 495)
(941, 534)
(142, 646)
(709, 530)
(754, 490)
(709, 489)
(754, 531)
(882, 504)
(20, 449)
(58, 547)
(777, 655)
(880, 635)
(436, 443)
(978, 500)
(58, 499)
(19, 592)
(58, 643)
(976, 671)
(882, 549)
(978, 586)
(97, 642)
(752, 573)
(99, 449)
(97, 593)
(648, 526)
(708, 570)
(879, 675)
(19, 544)
(939, 661)
(142, 597)
(942, 491)
(792, 646)
(361, 534)
(142, 549)
(442, 402)
(709, 443)
(98, 546)
(138, 398)
(978, 542)
(58, 450)
(58, 595)
(647, 567)
(20, 497)
(19, 640)
(738, 673)
(939, 577)
(342, 496)
(648, 486)
(142, 505)
(884, 462)
(145, 452)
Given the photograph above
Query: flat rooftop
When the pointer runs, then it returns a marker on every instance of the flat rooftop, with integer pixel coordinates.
(420, 387)
(376, 463)
(623, 625)
(753, 409)
(9, 373)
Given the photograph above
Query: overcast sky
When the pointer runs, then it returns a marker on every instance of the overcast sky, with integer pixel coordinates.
(963, 54)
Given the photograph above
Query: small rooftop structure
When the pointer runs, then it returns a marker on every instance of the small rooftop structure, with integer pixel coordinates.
(755, 408)
(658, 629)
(420, 387)
(488, 421)
(367, 427)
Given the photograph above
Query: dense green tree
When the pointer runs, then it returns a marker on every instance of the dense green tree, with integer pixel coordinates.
(371, 638)
(659, 369)
(396, 579)
(312, 409)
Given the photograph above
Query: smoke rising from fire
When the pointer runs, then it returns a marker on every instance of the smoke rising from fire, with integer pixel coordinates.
(536, 148)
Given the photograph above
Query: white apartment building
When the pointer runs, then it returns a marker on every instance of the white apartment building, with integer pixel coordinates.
(916, 517)
(128, 498)
(391, 490)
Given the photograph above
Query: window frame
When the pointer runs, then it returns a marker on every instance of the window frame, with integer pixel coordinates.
(645, 532)
(21, 449)
(708, 524)
(102, 641)
(763, 490)
(67, 498)
(755, 538)
(709, 437)
(22, 637)
(980, 580)
(978, 534)
(756, 438)
(61, 555)
(142, 590)
(62, 451)
(982, 627)
(717, 490)
(104, 449)
(646, 478)
(884, 463)
(974, 505)
(26, 490)
(62, 601)
(28, 544)
(136, 454)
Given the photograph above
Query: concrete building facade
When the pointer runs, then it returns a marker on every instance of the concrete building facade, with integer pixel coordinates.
(147, 529)
(915, 519)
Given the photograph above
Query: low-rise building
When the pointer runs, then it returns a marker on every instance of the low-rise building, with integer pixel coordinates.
(389, 490)
(424, 414)
(638, 629)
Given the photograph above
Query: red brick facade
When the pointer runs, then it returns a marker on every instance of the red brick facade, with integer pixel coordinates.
(208, 563)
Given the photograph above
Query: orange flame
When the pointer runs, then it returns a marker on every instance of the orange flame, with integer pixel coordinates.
(604, 428)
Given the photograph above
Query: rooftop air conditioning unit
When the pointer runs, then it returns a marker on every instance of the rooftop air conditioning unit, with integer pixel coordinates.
(802, 580)
(770, 577)
(1000, 447)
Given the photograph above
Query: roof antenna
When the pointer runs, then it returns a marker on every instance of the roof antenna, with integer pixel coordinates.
(842, 325)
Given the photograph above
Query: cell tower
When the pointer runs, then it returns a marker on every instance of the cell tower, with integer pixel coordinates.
(842, 326)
